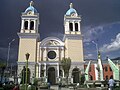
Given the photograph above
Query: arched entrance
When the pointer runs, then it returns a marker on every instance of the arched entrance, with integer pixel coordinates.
(51, 75)
(75, 74)
(23, 79)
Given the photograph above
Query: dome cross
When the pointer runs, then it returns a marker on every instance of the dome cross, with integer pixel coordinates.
(71, 5)
(31, 3)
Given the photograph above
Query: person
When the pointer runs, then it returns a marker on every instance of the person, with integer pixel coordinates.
(48, 86)
(111, 83)
(16, 87)
(59, 86)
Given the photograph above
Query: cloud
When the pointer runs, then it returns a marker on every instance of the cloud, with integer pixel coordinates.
(92, 33)
(113, 46)
(12, 53)
(89, 56)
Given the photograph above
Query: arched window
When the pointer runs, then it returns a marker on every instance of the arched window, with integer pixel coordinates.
(71, 26)
(76, 26)
(31, 25)
(75, 74)
(26, 25)
(91, 77)
(110, 69)
(106, 77)
(106, 69)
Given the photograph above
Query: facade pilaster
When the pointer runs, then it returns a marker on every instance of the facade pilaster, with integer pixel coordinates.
(45, 70)
(22, 26)
(39, 70)
(35, 25)
(79, 26)
(58, 69)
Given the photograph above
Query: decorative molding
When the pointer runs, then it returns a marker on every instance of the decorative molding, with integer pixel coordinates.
(72, 37)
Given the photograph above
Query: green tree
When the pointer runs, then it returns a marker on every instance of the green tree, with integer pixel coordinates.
(2, 67)
(66, 64)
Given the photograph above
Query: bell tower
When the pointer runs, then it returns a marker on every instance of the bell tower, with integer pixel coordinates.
(72, 35)
(28, 38)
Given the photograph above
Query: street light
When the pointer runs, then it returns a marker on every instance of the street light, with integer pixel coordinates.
(27, 57)
(96, 47)
(9, 50)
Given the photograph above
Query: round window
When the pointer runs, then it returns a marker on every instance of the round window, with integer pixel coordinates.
(51, 54)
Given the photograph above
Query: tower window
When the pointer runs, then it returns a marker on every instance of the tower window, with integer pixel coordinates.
(76, 26)
(106, 77)
(106, 69)
(71, 27)
(110, 69)
(26, 25)
(31, 25)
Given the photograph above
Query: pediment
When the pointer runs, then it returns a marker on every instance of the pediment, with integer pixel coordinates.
(51, 41)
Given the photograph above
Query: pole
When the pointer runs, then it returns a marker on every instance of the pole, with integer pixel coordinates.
(27, 57)
(96, 47)
(26, 75)
(9, 51)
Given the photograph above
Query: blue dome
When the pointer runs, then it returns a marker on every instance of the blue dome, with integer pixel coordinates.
(70, 11)
(31, 8)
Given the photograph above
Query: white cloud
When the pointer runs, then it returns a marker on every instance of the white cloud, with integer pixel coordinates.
(113, 46)
(91, 33)
(89, 56)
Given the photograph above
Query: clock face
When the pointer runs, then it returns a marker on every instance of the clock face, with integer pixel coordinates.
(30, 12)
(73, 14)
(51, 54)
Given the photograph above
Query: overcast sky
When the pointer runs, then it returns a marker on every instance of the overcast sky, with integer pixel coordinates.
(100, 23)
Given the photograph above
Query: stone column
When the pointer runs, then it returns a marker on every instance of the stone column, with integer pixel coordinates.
(39, 70)
(73, 25)
(58, 69)
(57, 52)
(22, 26)
(41, 54)
(28, 24)
(78, 26)
(45, 53)
(45, 69)
(60, 54)
(63, 73)
(35, 25)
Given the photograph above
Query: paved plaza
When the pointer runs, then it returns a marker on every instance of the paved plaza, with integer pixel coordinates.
(55, 87)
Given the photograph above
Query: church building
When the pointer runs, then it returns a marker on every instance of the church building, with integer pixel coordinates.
(46, 54)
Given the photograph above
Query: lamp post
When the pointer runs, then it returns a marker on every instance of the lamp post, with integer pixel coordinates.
(96, 47)
(8, 55)
(27, 57)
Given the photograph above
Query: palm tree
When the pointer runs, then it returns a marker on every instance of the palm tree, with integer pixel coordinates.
(2, 67)
(66, 64)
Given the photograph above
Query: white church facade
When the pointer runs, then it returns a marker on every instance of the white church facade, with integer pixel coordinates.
(46, 54)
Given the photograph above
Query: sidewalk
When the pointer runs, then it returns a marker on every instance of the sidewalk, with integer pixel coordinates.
(55, 87)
